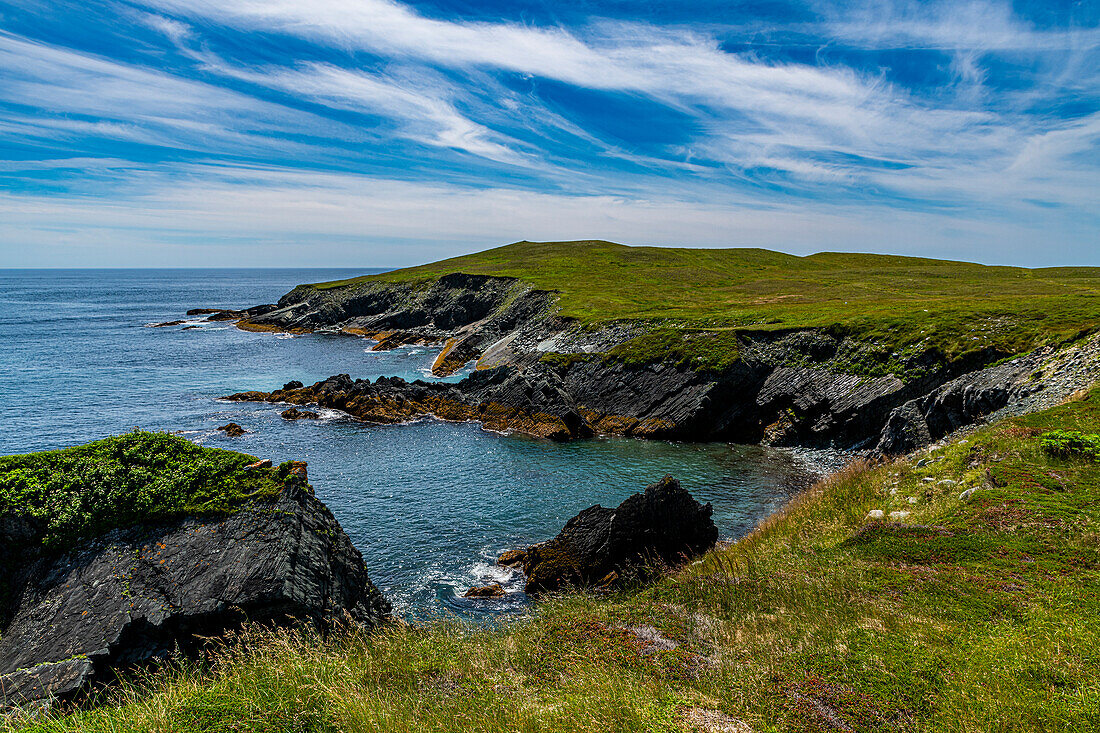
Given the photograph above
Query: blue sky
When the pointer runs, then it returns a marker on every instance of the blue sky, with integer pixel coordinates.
(373, 132)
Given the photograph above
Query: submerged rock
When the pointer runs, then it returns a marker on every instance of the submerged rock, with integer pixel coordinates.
(294, 413)
(136, 595)
(662, 527)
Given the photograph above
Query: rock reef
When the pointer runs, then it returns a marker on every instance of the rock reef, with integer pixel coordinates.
(135, 595)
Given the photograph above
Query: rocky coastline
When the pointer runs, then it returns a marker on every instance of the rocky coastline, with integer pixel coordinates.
(136, 595)
(540, 374)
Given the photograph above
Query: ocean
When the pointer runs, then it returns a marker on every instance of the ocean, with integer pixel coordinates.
(430, 504)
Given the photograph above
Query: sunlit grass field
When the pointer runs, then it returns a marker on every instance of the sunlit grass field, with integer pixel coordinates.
(956, 307)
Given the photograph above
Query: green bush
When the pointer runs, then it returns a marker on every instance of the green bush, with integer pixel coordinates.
(116, 482)
(1071, 443)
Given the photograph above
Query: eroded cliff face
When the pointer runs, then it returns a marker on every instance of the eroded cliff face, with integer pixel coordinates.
(135, 595)
(549, 376)
(474, 316)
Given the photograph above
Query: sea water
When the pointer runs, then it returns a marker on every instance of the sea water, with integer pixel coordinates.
(430, 504)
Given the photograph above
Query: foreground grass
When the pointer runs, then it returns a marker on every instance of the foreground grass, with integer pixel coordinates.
(976, 615)
(693, 297)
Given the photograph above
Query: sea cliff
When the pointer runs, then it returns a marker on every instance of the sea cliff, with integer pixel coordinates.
(568, 340)
(121, 552)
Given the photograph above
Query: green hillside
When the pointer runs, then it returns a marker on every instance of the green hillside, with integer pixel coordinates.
(902, 302)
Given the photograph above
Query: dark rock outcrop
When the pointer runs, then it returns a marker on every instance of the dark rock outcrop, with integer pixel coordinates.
(232, 429)
(223, 314)
(662, 527)
(468, 313)
(1033, 381)
(503, 399)
(135, 595)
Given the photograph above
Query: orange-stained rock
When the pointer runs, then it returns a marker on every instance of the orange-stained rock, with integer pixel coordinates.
(493, 590)
(512, 558)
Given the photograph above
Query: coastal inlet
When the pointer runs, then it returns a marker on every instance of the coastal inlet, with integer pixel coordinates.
(429, 504)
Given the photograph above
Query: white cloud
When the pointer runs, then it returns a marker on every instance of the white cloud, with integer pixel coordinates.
(420, 104)
(950, 25)
(305, 218)
(750, 112)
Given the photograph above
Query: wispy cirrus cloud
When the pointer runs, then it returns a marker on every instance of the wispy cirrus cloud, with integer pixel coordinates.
(968, 123)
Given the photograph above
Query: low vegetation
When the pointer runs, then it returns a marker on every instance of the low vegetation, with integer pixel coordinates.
(976, 610)
(896, 304)
(116, 482)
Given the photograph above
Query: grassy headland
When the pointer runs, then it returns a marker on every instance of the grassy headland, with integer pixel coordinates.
(694, 298)
(969, 614)
(116, 482)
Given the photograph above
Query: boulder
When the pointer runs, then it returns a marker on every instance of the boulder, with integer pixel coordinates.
(659, 528)
(233, 430)
(135, 595)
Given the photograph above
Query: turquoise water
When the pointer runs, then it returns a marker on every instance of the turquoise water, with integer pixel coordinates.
(430, 504)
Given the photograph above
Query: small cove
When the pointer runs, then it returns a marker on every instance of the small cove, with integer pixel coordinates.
(429, 504)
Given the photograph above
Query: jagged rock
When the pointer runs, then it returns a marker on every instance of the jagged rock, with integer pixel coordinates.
(470, 312)
(493, 590)
(293, 384)
(294, 413)
(233, 430)
(663, 526)
(135, 595)
(1034, 381)
(224, 314)
(166, 324)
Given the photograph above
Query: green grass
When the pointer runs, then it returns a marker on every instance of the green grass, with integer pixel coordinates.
(116, 482)
(897, 302)
(976, 615)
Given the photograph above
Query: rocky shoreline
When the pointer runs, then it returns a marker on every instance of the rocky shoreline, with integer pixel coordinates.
(133, 591)
(137, 595)
(540, 374)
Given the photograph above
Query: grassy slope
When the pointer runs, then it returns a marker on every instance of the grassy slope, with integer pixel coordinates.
(115, 482)
(900, 301)
(987, 619)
